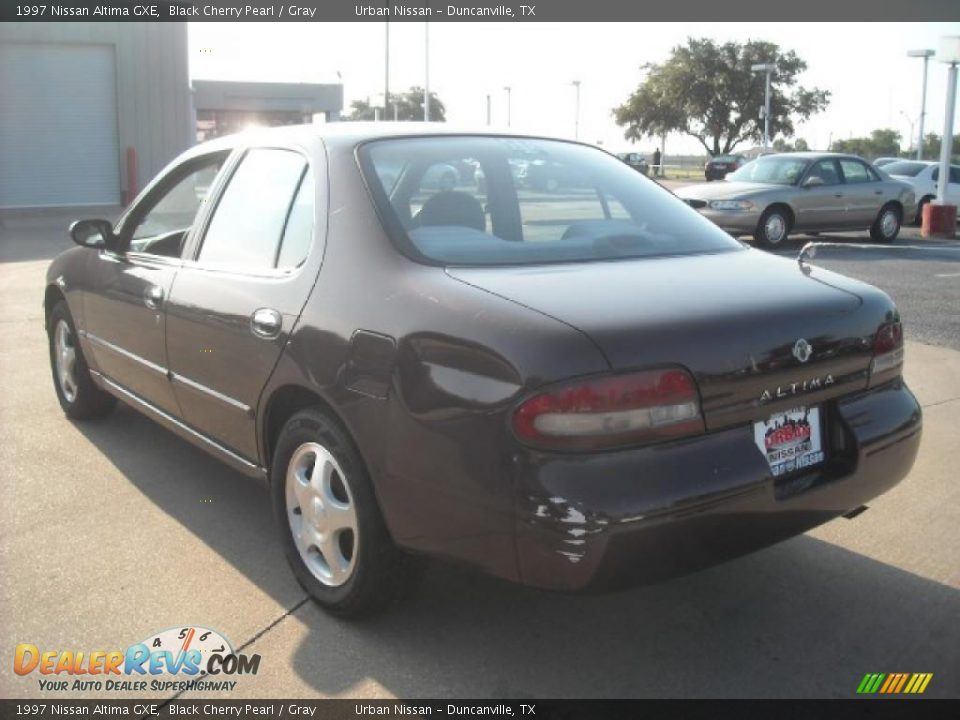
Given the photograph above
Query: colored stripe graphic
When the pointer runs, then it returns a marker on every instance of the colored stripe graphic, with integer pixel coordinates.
(894, 683)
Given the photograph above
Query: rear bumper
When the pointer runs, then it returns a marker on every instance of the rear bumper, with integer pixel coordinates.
(622, 518)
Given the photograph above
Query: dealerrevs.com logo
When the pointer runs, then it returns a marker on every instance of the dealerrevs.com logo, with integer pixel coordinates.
(184, 658)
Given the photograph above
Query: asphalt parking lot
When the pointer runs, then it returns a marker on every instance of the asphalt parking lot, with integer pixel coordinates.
(116, 529)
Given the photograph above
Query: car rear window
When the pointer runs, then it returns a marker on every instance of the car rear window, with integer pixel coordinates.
(904, 169)
(476, 200)
(725, 158)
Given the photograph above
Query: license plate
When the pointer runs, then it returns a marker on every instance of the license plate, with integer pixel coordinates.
(790, 440)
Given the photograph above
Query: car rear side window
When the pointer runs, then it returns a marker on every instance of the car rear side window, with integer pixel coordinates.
(248, 222)
(479, 200)
(298, 233)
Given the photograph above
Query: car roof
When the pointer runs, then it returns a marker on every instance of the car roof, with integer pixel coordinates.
(353, 133)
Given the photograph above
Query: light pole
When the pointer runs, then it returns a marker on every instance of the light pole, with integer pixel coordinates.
(507, 88)
(488, 109)
(910, 123)
(949, 53)
(386, 69)
(926, 55)
(576, 117)
(939, 216)
(426, 61)
(769, 69)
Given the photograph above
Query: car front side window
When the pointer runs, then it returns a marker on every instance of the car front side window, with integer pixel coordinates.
(163, 225)
(826, 170)
(248, 223)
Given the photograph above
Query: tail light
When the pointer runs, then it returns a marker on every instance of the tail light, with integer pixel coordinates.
(612, 411)
(887, 348)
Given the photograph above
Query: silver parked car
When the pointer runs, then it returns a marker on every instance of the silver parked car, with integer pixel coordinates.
(807, 192)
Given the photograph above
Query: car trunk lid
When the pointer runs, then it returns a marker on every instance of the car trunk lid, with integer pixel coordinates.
(733, 319)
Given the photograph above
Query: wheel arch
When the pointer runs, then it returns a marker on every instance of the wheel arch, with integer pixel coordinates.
(791, 215)
(51, 296)
(282, 404)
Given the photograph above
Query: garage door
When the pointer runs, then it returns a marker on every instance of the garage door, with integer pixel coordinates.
(58, 125)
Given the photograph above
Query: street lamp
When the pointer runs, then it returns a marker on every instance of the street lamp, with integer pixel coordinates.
(426, 61)
(507, 88)
(576, 117)
(910, 123)
(386, 69)
(769, 69)
(926, 55)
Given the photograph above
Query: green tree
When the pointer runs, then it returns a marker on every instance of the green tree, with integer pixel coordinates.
(706, 90)
(882, 142)
(781, 145)
(409, 107)
(932, 146)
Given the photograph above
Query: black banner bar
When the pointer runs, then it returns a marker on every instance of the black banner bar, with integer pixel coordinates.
(879, 708)
(477, 11)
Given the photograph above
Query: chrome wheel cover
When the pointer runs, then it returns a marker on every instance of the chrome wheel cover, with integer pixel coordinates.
(321, 514)
(888, 223)
(65, 360)
(775, 228)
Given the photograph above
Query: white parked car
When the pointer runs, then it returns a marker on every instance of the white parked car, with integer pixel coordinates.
(881, 161)
(924, 175)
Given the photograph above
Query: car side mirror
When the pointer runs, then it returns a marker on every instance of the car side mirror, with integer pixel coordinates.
(93, 234)
(813, 182)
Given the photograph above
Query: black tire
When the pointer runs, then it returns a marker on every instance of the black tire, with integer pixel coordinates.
(380, 574)
(773, 217)
(887, 225)
(80, 398)
(918, 221)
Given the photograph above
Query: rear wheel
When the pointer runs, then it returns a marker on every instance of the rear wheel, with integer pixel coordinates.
(887, 225)
(79, 396)
(333, 535)
(773, 228)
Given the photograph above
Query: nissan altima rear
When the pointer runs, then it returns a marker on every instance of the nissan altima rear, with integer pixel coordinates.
(744, 398)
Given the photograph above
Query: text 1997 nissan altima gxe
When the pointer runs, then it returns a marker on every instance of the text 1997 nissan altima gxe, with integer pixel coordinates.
(573, 390)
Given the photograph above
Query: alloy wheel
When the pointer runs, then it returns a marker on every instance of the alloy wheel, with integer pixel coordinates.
(775, 228)
(65, 357)
(322, 514)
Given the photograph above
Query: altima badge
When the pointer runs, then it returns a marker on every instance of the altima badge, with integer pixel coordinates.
(802, 350)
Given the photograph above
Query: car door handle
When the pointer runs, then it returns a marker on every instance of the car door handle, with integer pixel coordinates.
(878, 192)
(266, 323)
(153, 297)
(838, 195)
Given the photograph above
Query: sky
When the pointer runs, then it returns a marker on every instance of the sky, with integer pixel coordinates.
(864, 65)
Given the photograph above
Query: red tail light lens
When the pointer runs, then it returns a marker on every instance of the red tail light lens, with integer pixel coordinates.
(612, 411)
(887, 348)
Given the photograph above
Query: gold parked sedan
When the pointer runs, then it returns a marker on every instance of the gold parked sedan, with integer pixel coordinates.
(775, 195)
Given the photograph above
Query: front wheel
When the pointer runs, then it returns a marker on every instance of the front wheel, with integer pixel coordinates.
(79, 396)
(330, 525)
(773, 228)
(887, 225)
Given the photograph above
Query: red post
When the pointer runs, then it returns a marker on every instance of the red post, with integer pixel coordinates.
(939, 221)
(131, 176)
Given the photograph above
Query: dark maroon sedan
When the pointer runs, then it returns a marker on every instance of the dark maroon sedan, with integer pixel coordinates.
(579, 389)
